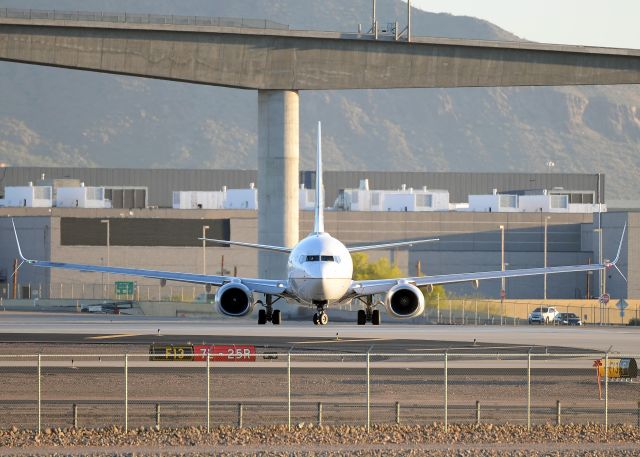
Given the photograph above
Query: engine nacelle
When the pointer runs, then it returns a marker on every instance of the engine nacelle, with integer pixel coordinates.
(234, 299)
(404, 301)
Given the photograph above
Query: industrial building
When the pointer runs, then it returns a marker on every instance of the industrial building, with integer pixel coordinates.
(149, 233)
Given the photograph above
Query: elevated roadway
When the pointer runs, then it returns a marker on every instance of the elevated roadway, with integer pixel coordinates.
(279, 63)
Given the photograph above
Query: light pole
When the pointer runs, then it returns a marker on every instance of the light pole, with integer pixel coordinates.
(600, 272)
(204, 249)
(106, 221)
(546, 223)
(502, 280)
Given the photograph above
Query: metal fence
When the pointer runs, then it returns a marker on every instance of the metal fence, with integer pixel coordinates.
(129, 18)
(450, 311)
(130, 390)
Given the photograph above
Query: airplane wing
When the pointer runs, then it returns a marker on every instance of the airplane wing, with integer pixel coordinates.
(389, 245)
(264, 286)
(380, 286)
(265, 247)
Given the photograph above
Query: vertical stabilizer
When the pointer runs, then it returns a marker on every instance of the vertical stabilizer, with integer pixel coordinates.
(318, 225)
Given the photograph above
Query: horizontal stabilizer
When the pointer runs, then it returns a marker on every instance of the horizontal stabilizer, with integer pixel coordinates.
(249, 245)
(389, 245)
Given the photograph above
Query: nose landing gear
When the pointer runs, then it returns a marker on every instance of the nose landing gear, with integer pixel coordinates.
(321, 317)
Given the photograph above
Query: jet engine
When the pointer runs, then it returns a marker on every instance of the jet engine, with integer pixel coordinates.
(404, 300)
(234, 299)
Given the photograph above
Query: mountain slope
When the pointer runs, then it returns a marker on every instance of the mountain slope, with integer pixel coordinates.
(59, 117)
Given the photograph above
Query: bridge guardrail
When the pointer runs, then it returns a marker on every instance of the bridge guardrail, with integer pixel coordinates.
(129, 18)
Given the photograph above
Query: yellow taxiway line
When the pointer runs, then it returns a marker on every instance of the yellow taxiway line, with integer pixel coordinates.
(106, 337)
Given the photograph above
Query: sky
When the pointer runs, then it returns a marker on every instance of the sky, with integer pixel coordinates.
(610, 23)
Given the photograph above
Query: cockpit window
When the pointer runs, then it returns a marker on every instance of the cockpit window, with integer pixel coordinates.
(321, 258)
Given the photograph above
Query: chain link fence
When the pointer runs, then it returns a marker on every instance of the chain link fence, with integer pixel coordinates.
(129, 18)
(136, 390)
(449, 311)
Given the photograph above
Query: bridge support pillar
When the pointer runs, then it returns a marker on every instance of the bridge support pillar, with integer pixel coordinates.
(278, 172)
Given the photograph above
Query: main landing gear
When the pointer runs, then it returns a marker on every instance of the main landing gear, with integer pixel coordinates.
(269, 314)
(321, 317)
(370, 314)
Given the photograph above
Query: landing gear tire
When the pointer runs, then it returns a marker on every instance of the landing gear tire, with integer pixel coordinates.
(323, 319)
(276, 318)
(262, 317)
(315, 319)
(362, 317)
(375, 317)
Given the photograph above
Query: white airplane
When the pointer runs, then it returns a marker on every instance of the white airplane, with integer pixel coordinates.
(320, 272)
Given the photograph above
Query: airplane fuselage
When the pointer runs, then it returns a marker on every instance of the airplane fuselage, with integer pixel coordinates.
(320, 269)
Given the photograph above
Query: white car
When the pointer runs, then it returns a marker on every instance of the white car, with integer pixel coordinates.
(543, 315)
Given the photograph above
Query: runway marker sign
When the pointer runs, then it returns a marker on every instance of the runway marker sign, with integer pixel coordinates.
(198, 353)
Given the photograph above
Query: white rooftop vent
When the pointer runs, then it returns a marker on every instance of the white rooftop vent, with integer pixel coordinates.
(364, 184)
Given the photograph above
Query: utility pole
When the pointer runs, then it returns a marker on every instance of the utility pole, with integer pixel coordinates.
(546, 221)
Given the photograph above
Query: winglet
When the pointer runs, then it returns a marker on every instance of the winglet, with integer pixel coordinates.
(624, 229)
(15, 232)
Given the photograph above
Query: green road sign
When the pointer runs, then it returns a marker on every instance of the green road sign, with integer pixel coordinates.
(124, 287)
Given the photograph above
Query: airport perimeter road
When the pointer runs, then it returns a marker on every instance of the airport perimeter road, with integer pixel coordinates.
(82, 328)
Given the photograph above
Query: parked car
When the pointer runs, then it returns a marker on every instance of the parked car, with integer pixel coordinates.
(567, 319)
(543, 315)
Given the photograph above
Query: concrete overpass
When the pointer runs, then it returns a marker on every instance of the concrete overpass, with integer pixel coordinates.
(279, 63)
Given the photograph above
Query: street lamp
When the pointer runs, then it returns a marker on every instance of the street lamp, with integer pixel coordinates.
(601, 273)
(204, 249)
(502, 259)
(106, 221)
(546, 222)
(502, 288)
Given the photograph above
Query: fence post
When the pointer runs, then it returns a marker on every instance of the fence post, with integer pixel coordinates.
(397, 412)
(289, 389)
(157, 416)
(446, 391)
(208, 392)
(638, 424)
(126, 393)
(529, 390)
(75, 415)
(240, 411)
(606, 391)
(39, 393)
(477, 412)
(558, 413)
(368, 390)
(319, 414)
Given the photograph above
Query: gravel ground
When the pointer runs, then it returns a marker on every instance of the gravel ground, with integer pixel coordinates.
(306, 439)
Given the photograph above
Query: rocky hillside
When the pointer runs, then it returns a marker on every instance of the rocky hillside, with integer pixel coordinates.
(58, 117)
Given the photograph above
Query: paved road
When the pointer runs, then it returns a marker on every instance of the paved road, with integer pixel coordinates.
(21, 327)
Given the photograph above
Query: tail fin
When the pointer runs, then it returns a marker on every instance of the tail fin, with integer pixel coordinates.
(318, 226)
